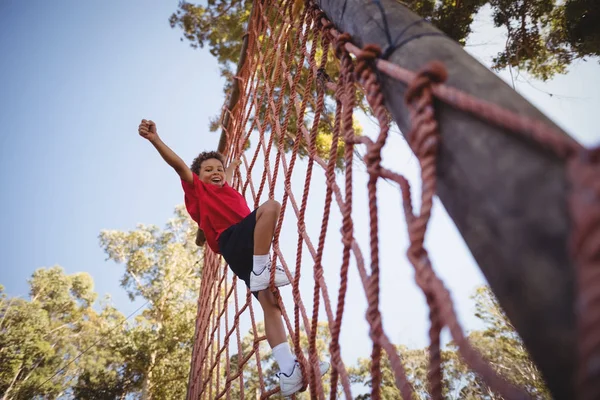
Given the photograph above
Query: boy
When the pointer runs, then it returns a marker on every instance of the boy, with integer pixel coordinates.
(242, 237)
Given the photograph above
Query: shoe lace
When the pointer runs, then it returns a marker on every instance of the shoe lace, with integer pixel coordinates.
(277, 267)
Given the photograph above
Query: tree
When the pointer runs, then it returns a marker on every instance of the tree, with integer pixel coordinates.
(22, 345)
(454, 18)
(543, 36)
(415, 365)
(528, 47)
(162, 267)
(106, 376)
(499, 343)
(55, 344)
(40, 338)
(576, 24)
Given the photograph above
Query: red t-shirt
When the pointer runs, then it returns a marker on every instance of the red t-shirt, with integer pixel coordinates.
(214, 208)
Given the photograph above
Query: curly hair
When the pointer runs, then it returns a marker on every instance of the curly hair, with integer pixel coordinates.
(205, 155)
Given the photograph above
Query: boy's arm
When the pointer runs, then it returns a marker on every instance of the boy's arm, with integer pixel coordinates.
(147, 130)
(230, 170)
(173, 160)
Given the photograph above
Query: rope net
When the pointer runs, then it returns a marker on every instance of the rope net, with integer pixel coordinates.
(299, 77)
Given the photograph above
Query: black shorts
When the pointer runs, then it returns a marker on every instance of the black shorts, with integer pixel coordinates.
(236, 245)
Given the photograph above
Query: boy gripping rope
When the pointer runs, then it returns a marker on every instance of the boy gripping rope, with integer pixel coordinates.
(242, 237)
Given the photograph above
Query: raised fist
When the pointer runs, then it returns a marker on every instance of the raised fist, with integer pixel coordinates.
(147, 130)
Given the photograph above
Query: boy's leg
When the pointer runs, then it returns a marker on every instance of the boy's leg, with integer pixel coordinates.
(275, 331)
(264, 227)
(266, 220)
(274, 328)
(291, 381)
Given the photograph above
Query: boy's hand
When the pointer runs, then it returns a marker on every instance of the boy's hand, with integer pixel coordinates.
(233, 165)
(147, 130)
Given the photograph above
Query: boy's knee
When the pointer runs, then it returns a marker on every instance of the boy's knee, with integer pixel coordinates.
(272, 206)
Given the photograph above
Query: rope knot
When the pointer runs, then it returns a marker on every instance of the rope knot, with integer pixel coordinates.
(434, 72)
(373, 160)
(366, 57)
(370, 52)
(347, 241)
(341, 43)
(319, 16)
(346, 231)
(423, 136)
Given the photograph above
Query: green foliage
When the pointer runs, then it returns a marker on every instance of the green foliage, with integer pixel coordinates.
(40, 336)
(498, 343)
(575, 22)
(501, 344)
(452, 17)
(99, 385)
(415, 364)
(97, 354)
(219, 23)
(527, 24)
(163, 268)
(544, 36)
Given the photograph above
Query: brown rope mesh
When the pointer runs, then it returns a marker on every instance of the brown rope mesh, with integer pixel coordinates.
(284, 74)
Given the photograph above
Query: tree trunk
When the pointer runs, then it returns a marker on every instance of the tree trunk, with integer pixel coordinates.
(12, 383)
(505, 194)
(146, 395)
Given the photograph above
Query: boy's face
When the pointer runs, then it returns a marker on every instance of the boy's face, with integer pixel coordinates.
(212, 172)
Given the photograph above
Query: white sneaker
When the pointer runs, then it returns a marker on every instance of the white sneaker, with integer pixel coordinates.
(292, 383)
(261, 280)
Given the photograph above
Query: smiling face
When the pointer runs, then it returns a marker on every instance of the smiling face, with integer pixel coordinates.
(212, 172)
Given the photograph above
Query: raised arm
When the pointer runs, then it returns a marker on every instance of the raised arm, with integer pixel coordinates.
(230, 170)
(147, 130)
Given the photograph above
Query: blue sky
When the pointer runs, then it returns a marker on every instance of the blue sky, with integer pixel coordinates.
(76, 77)
(76, 80)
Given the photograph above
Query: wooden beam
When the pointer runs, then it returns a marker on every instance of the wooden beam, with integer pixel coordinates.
(235, 95)
(506, 195)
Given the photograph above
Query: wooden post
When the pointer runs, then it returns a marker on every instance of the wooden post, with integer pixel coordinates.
(506, 195)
